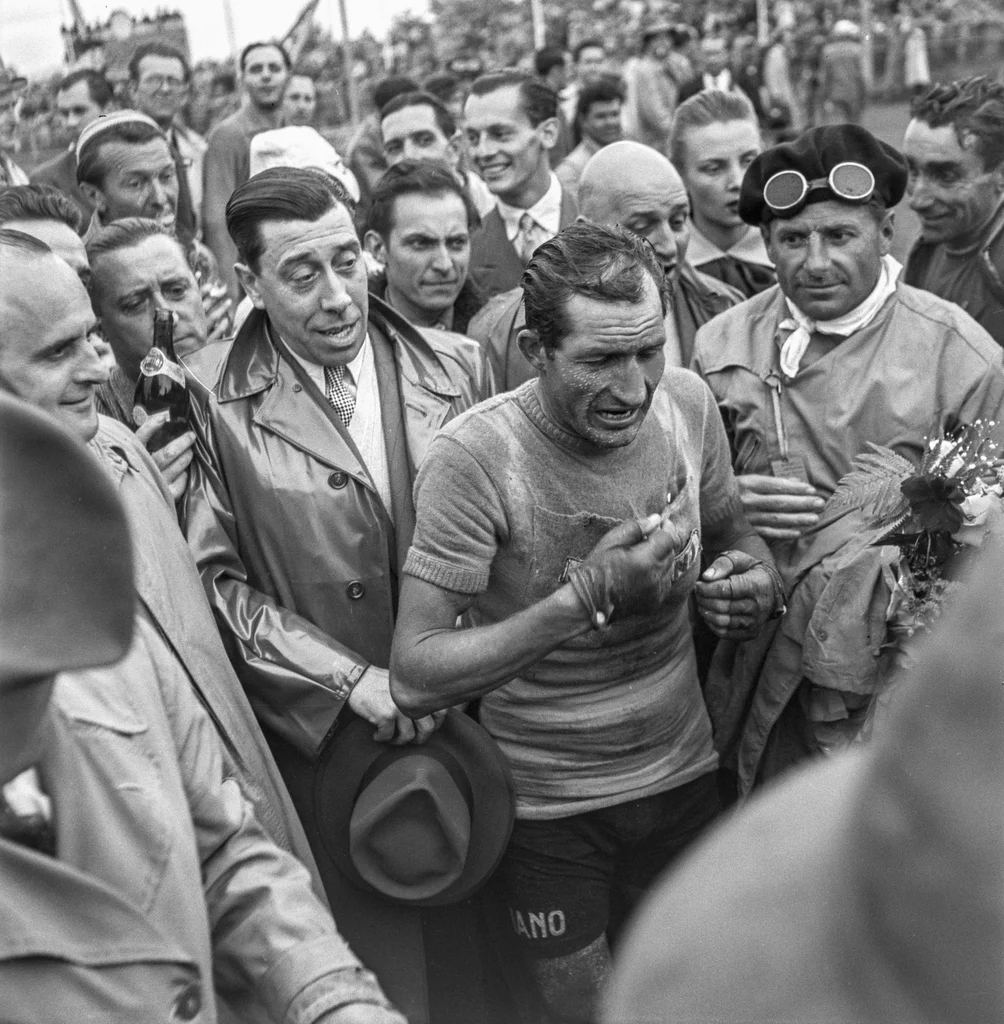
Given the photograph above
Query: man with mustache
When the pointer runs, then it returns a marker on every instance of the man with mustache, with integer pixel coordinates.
(839, 354)
(954, 149)
(511, 121)
(565, 521)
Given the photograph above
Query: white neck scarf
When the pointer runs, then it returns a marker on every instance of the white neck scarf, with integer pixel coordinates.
(802, 326)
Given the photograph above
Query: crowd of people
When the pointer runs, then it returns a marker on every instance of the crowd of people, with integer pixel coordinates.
(500, 549)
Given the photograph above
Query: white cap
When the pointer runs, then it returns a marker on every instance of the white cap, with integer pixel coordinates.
(846, 27)
(104, 122)
(300, 146)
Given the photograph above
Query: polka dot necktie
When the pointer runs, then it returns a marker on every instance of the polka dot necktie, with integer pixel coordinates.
(338, 393)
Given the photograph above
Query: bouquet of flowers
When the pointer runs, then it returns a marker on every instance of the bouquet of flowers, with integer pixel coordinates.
(937, 514)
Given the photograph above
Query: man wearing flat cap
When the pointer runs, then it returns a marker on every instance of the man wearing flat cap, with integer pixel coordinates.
(135, 882)
(838, 354)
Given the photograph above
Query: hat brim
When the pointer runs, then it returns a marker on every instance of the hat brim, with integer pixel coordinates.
(353, 750)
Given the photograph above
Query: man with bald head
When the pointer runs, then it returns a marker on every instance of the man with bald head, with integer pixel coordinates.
(47, 358)
(632, 185)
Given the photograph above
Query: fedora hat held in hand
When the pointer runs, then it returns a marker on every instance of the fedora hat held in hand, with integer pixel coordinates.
(420, 825)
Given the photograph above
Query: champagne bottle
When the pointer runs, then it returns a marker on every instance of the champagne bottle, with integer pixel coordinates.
(161, 384)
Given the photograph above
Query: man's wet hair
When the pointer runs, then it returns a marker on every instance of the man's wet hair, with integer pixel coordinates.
(280, 194)
(537, 101)
(609, 264)
(414, 177)
(417, 98)
(974, 109)
(38, 202)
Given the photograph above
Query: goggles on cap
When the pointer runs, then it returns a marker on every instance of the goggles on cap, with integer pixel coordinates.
(787, 191)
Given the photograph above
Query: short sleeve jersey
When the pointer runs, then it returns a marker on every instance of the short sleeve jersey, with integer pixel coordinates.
(506, 503)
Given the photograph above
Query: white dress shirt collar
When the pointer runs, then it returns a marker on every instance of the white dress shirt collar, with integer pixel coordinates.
(546, 211)
(359, 365)
(749, 249)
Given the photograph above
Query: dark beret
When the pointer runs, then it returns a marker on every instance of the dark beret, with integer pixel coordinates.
(815, 153)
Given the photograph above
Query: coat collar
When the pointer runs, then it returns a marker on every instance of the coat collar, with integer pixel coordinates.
(292, 411)
(252, 365)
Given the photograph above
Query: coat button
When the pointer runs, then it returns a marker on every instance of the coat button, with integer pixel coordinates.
(823, 635)
(338, 480)
(355, 590)
(188, 1005)
(297, 387)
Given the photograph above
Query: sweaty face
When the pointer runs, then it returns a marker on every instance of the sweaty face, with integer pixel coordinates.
(161, 89)
(592, 65)
(508, 151)
(61, 239)
(715, 159)
(76, 109)
(311, 281)
(46, 354)
(598, 383)
(427, 254)
(264, 76)
(828, 258)
(140, 180)
(948, 187)
(413, 134)
(130, 285)
(602, 122)
(299, 101)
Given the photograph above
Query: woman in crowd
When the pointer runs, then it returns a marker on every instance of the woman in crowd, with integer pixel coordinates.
(715, 137)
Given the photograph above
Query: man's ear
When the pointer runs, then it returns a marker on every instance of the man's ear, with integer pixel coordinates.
(533, 349)
(249, 280)
(374, 245)
(547, 132)
(456, 148)
(887, 231)
(94, 196)
(998, 179)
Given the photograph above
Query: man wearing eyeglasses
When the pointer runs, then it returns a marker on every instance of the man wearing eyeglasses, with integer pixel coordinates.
(839, 354)
(158, 87)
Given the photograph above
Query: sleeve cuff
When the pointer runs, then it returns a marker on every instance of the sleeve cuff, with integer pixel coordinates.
(333, 991)
(449, 577)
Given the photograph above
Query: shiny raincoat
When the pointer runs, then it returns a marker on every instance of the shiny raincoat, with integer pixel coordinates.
(295, 547)
(300, 559)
